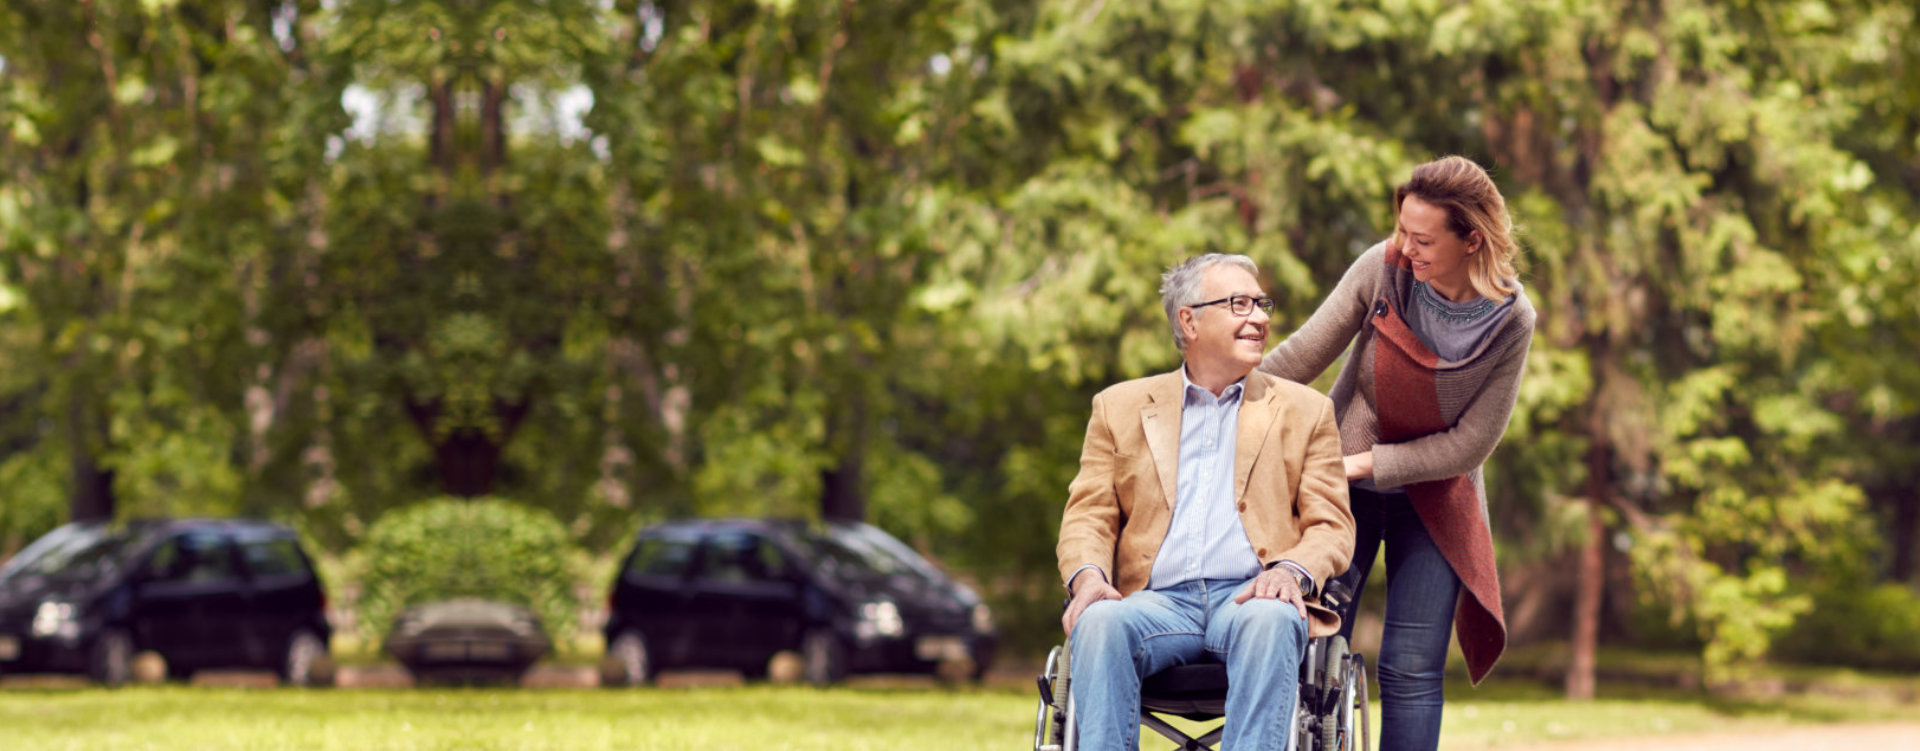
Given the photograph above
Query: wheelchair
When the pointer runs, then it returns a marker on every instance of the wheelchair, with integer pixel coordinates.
(1330, 715)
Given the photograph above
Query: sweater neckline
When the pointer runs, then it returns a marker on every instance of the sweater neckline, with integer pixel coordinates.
(1453, 312)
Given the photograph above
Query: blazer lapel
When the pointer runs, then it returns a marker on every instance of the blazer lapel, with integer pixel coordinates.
(1161, 422)
(1256, 416)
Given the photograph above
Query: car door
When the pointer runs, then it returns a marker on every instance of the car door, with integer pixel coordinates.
(745, 590)
(283, 593)
(191, 602)
(653, 596)
(164, 618)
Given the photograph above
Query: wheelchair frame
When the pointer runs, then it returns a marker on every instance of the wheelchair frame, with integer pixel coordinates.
(1331, 713)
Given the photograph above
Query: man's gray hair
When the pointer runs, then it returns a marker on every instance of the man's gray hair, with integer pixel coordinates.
(1180, 286)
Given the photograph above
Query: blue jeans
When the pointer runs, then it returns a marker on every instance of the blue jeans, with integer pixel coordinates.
(1116, 643)
(1421, 592)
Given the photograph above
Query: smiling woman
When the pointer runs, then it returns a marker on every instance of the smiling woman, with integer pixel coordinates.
(1440, 330)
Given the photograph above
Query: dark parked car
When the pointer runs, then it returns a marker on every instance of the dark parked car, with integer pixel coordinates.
(201, 593)
(845, 597)
(467, 641)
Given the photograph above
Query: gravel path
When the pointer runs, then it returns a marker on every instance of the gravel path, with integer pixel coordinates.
(1867, 737)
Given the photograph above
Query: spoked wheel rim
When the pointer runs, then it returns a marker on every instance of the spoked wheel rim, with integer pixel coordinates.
(1043, 716)
(1065, 716)
(1335, 698)
(1071, 729)
(1356, 713)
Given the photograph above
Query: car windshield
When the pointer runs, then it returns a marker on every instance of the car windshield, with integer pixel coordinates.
(858, 549)
(77, 552)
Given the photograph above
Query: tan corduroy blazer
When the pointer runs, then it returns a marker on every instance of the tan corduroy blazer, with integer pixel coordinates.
(1290, 483)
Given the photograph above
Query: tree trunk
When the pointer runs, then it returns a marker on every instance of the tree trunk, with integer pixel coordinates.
(92, 485)
(1903, 537)
(469, 464)
(841, 498)
(468, 458)
(1586, 607)
(842, 492)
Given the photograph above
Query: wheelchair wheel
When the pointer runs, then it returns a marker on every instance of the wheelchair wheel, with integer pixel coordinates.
(1334, 706)
(1053, 722)
(1357, 718)
(1063, 681)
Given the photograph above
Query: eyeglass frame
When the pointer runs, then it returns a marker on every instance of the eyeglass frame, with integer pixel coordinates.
(1262, 302)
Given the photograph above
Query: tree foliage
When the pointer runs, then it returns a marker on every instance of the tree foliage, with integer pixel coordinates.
(629, 260)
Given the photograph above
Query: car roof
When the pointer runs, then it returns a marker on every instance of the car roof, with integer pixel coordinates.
(164, 524)
(774, 525)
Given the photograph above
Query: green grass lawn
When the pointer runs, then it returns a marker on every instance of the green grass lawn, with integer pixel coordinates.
(760, 717)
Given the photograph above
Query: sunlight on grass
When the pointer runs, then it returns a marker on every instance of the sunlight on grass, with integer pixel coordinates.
(755, 717)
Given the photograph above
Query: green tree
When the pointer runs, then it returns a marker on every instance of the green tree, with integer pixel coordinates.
(151, 190)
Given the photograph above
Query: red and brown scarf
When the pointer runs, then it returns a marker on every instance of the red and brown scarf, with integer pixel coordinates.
(1408, 407)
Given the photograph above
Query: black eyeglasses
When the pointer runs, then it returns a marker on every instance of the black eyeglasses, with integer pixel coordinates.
(1241, 305)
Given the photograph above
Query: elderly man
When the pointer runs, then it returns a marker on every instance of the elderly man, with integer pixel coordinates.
(1210, 503)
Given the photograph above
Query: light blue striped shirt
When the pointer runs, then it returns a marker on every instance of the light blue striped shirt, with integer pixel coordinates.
(1206, 539)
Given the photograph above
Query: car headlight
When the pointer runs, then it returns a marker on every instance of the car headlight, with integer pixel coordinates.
(879, 619)
(982, 618)
(55, 618)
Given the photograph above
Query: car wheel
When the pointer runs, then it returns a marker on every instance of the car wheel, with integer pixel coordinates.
(823, 659)
(112, 658)
(628, 661)
(302, 663)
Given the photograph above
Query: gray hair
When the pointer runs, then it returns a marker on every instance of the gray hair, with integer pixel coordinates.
(1180, 286)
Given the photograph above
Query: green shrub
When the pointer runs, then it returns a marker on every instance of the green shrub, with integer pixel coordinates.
(1865, 626)
(447, 548)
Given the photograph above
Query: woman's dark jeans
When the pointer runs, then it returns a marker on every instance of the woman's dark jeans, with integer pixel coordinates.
(1421, 590)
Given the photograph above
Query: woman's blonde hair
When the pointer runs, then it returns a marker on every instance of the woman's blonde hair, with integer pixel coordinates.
(1473, 204)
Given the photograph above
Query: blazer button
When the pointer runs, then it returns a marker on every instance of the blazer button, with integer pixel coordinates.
(1243, 506)
(1380, 309)
(1261, 553)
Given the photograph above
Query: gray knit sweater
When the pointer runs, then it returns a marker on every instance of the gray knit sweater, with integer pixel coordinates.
(1477, 392)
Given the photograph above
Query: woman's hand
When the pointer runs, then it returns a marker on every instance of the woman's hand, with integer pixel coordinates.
(1360, 466)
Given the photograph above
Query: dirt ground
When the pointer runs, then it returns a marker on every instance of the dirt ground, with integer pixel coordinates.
(1871, 737)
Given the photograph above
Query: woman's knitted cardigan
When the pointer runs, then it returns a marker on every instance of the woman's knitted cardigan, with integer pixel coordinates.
(1430, 423)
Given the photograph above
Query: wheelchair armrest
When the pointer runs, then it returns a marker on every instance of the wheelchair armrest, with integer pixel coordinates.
(1336, 595)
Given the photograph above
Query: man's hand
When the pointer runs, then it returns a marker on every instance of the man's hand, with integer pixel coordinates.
(1089, 587)
(1276, 583)
(1360, 466)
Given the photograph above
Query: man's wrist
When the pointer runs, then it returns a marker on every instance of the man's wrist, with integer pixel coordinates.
(1073, 582)
(1300, 576)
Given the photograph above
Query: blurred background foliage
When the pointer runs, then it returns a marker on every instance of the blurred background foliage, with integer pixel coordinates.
(621, 261)
(452, 548)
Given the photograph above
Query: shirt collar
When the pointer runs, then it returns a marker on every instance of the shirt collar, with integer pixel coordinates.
(1199, 394)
